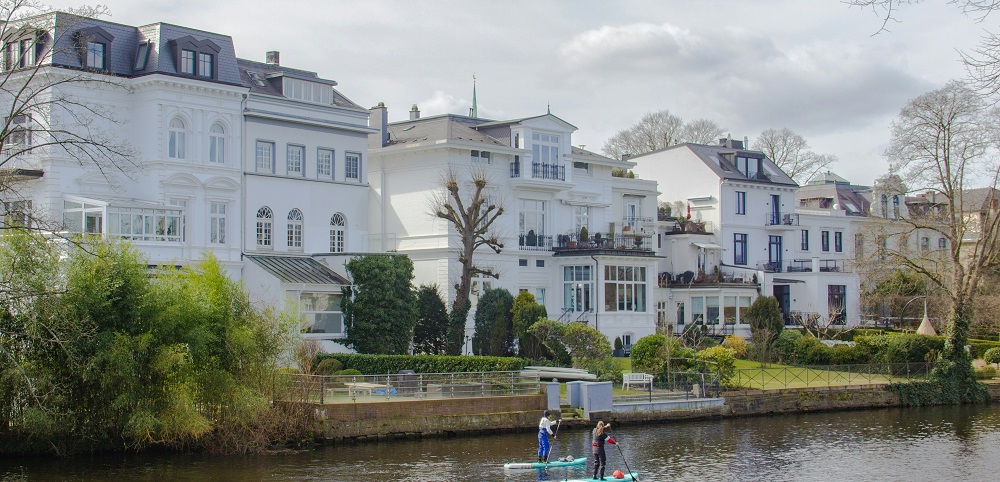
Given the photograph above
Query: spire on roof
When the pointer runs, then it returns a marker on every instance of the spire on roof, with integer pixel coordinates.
(474, 112)
(548, 107)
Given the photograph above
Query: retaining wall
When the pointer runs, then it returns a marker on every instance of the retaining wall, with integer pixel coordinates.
(416, 418)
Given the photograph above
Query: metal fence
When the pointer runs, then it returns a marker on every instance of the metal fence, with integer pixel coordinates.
(674, 385)
(354, 388)
(828, 375)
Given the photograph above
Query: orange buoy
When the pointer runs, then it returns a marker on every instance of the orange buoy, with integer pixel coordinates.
(618, 474)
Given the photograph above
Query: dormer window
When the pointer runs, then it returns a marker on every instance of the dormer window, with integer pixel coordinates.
(307, 91)
(93, 45)
(748, 166)
(95, 55)
(195, 57)
(141, 56)
(187, 62)
(22, 48)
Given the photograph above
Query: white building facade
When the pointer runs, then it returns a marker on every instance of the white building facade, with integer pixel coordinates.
(550, 190)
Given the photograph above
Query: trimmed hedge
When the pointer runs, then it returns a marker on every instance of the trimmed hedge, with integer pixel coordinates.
(382, 364)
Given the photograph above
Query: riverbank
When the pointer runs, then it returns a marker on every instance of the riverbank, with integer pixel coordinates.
(376, 421)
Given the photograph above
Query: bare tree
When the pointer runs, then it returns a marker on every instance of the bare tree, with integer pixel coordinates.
(944, 143)
(471, 211)
(982, 63)
(43, 120)
(791, 153)
(702, 131)
(657, 130)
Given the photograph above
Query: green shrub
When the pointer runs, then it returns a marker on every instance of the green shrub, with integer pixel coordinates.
(986, 373)
(349, 371)
(724, 362)
(848, 355)
(979, 347)
(383, 364)
(908, 348)
(784, 346)
(992, 355)
(328, 366)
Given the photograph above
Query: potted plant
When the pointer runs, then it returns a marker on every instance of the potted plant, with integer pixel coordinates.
(619, 349)
(598, 240)
(584, 235)
(532, 238)
(570, 242)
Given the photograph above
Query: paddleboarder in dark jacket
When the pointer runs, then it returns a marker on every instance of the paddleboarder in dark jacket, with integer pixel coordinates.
(597, 440)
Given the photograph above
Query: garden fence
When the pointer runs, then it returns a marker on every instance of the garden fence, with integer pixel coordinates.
(408, 385)
(828, 375)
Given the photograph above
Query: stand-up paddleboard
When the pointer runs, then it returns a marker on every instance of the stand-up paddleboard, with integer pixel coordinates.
(543, 465)
(607, 478)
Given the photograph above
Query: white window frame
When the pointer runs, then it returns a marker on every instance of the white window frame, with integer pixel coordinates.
(295, 160)
(578, 288)
(325, 163)
(217, 211)
(352, 166)
(265, 228)
(625, 288)
(309, 313)
(177, 138)
(294, 231)
(338, 233)
(264, 156)
(217, 143)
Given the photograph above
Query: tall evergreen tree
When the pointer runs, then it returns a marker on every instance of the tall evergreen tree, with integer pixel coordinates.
(380, 309)
(494, 326)
(430, 336)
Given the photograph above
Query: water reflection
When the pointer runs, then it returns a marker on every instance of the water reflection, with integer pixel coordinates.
(941, 443)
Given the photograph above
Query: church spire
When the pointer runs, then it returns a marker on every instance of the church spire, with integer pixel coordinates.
(474, 112)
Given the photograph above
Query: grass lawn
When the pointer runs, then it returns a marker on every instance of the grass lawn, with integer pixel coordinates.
(772, 376)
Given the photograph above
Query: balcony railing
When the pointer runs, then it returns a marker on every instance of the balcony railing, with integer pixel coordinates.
(539, 171)
(534, 242)
(824, 266)
(630, 242)
(690, 227)
(667, 279)
(781, 219)
(770, 267)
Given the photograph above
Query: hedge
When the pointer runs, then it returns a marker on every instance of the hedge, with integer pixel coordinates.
(382, 364)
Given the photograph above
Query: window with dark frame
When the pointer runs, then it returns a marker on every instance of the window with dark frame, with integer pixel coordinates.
(205, 65)
(95, 55)
(741, 202)
(141, 56)
(837, 303)
(740, 249)
(838, 241)
(805, 240)
(187, 62)
(824, 240)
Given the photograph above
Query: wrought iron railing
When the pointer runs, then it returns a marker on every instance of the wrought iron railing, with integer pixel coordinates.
(636, 241)
(352, 388)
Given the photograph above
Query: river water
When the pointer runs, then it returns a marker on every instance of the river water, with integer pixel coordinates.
(914, 444)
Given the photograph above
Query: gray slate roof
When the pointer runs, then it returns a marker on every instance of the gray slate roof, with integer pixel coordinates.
(443, 127)
(272, 83)
(298, 269)
(713, 157)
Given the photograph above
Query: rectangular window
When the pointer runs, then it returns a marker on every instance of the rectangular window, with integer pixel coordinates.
(741, 202)
(307, 91)
(539, 263)
(633, 213)
(748, 166)
(729, 316)
(352, 166)
(187, 62)
(577, 288)
(838, 241)
(740, 249)
(19, 135)
(680, 313)
(581, 216)
(205, 65)
(942, 243)
(26, 54)
(95, 55)
(837, 302)
(321, 313)
(146, 224)
(544, 149)
(295, 158)
(583, 166)
(532, 223)
(141, 56)
(805, 240)
(324, 163)
(16, 213)
(522, 262)
(744, 307)
(82, 217)
(711, 310)
(625, 288)
(481, 157)
(698, 310)
(824, 241)
(217, 223)
(265, 156)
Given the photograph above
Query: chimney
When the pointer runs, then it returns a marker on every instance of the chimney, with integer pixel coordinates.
(414, 112)
(379, 119)
(723, 143)
(272, 57)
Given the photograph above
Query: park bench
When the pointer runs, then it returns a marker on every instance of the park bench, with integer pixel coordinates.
(629, 379)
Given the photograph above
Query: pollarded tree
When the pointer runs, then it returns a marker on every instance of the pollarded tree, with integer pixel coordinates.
(494, 333)
(430, 335)
(471, 212)
(791, 153)
(380, 309)
(944, 144)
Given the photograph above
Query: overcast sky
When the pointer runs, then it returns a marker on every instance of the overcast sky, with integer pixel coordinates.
(812, 66)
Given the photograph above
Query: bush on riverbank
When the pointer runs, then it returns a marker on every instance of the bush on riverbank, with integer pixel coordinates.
(383, 364)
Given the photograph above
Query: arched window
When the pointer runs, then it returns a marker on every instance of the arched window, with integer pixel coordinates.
(885, 206)
(217, 144)
(895, 207)
(265, 225)
(295, 230)
(338, 231)
(176, 142)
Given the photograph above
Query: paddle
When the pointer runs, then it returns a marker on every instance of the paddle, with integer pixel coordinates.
(636, 479)
(553, 438)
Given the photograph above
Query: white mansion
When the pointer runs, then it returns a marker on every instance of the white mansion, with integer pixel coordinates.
(283, 178)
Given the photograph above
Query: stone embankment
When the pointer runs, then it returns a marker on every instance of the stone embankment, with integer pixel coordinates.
(448, 417)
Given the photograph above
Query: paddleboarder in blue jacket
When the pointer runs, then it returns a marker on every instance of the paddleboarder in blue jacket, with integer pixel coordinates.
(544, 430)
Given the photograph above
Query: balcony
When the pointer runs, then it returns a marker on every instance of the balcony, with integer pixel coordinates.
(666, 279)
(534, 242)
(684, 226)
(808, 266)
(538, 170)
(635, 243)
(780, 220)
